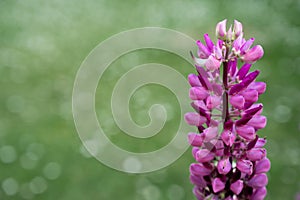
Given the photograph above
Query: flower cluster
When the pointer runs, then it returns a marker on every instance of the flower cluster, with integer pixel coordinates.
(230, 159)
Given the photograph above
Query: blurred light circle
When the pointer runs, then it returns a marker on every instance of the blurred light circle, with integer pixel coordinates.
(151, 192)
(175, 192)
(28, 160)
(8, 154)
(25, 192)
(38, 185)
(52, 170)
(10, 186)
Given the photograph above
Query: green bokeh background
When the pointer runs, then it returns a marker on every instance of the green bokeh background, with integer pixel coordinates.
(42, 44)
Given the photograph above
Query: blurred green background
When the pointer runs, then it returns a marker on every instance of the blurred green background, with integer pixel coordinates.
(42, 44)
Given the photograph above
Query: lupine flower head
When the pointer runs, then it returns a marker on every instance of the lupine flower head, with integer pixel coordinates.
(230, 158)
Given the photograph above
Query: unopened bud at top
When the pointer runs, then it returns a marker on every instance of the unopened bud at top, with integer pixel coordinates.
(237, 28)
(221, 29)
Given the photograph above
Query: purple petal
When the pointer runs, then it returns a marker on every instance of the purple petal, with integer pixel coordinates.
(258, 122)
(237, 187)
(224, 166)
(250, 95)
(204, 76)
(237, 28)
(217, 88)
(204, 155)
(219, 145)
(203, 50)
(210, 45)
(194, 119)
(262, 166)
(256, 154)
(221, 29)
(195, 139)
(237, 101)
(213, 102)
(245, 166)
(198, 93)
(260, 87)
(212, 63)
(232, 67)
(210, 133)
(198, 181)
(245, 47)
(260, 142)
(258, 181)
(259, 194)
(243, 71)
(194, 80)
(228, 137)
(253, 54)
(200, 170)
(256, 109)
(246, 132)
(218, 185)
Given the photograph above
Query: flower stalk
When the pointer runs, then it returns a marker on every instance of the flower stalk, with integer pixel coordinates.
(231, 162)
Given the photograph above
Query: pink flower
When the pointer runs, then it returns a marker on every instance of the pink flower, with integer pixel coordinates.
(221, 29)
(237, 187)
(254, 54)
(224, 166)
(230, 159)
(218, 185)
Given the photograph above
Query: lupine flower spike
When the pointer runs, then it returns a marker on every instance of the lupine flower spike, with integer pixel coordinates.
(230, 159)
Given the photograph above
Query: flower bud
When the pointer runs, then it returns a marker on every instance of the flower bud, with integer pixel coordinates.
(210, 133)
(204, 155)
(199, 195)
(262, 166)
(198, 93)
(253, 54)
(237, 28)
(256, 154)
(245, 47)
(218, 185)
(198, 181)
(258, 122)
(200, 170)
(260, 87)
(203, 52)
(224, 166)
(228, 137)
(259, 194)
(229, 35)
(210, 45)
(250, 95)
(212, 63)
(260, 142)
(247, 132)
(194, 119)
(258, 181)
(219, 147)
(245, 166)
(237, 101)
(194, 80)
(237, 187)
(221, 29)
(195, 139)
(213, 102)
(194, 151)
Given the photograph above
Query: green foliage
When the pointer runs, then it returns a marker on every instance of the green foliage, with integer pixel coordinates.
(42, 44)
